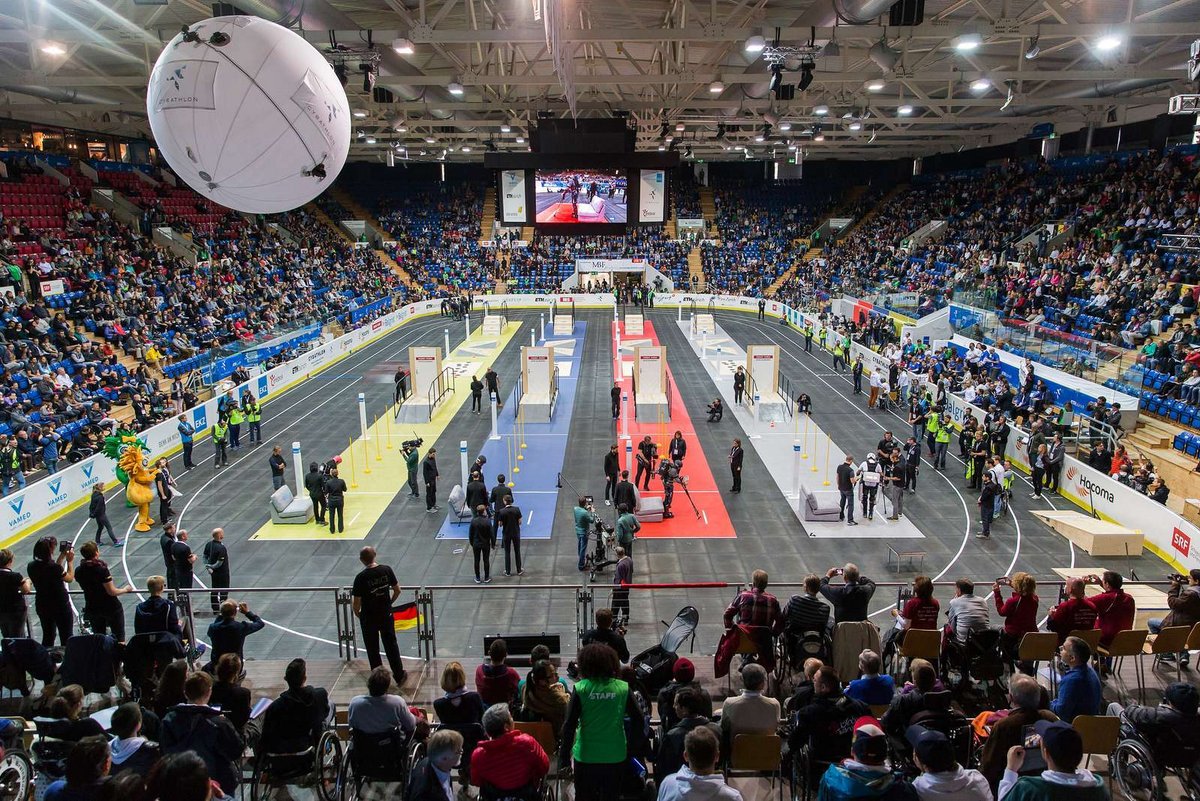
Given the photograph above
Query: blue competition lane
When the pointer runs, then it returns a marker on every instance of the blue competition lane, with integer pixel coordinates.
(534, 489)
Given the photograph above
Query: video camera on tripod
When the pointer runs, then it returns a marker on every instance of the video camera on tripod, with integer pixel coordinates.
(408, 444)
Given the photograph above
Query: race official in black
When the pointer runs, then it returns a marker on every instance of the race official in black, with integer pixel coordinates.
(216, 562)
(510, 522)
(314, 483)
(335, 500)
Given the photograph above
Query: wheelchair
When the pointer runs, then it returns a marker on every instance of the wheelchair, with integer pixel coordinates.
(1140, 767)
(386, 757)
(980, 660)
(792, 649)
(537, 792)
(50, 751)
(16, 768)
(317, 766)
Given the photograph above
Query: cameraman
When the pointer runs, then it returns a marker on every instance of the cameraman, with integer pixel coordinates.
(850, 600)
(716, 410)
(412, 460)
(1184, 600)
(646, 458)
(585, 518)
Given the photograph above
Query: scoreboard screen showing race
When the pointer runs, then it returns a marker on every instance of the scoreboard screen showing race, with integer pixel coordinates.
(585, 195)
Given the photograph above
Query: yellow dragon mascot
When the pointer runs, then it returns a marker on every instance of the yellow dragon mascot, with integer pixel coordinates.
(134, 471)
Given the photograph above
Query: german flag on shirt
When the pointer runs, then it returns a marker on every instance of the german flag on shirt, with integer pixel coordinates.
(405, 616)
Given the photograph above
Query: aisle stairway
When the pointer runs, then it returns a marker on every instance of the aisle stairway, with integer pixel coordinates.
(1153, 439)
(708, 207)
(488, 220)
(696, 270)
(360, 213)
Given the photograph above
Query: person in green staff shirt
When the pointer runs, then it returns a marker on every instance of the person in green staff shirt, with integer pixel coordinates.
(412, 460)
(627, 527)
(236, 418)
(585, 518)
(220, 438)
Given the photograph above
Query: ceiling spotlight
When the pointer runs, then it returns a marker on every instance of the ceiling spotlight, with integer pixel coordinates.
(670, 138)
(831, 49)
(360, 134)
(856, 126)
(806, 76)
(875, 85)
(403, 46)
(874, 136)
(759, 138)
(368, 72)
(339, 69)
(755, 44)
(776, 78)
(53, 49)
(884, 56)
(1033, 51)
(402, 128)
(716, 87)
(968, 42)
(660, 147)
(466, 149)
(785, 126)
(791, 147)
(455, 88)
(429, 140)
(1108, 43)
(980, 85)
(1008, 100)
(680, 127)
(359, 113)
(370, 140)
(505, 128)
(821, 110)
(904, 110)
(819, 137)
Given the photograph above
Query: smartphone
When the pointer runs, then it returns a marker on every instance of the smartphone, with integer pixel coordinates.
(1034, 762)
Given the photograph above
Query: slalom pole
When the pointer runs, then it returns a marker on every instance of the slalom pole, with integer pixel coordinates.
(387, 426)
(828, 445)
(804, 437)
(366, 459)
(378, 450)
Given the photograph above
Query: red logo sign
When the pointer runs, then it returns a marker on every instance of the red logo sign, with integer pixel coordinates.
(767, 357)
(1070, 474)
(1181, 542)
(375, 326)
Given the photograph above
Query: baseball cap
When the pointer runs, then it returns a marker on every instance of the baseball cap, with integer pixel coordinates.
(931, 747)
(869, 740)
(1183, 697)
(1062, 742)
(683, 671)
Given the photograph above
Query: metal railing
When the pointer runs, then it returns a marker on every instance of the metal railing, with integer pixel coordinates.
(712, 306)
(439, 387)
(749, 391)
(553, 391)
(785, 391)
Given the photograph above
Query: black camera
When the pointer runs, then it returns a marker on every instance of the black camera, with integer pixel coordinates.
(1176, 578)
(65, 546)
(411, 443)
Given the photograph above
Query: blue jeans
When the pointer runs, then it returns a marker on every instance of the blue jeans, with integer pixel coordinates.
(846, 504)
(940, 457)
(17, 478)
(51, 466)
(583, 541)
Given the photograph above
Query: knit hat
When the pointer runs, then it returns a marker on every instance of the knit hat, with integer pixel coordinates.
(870, 743)
(683, 671)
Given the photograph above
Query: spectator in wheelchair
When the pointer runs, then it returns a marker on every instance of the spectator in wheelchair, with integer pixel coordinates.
(1028, 704)
(689, 714)
(1076, 613)
(699, 779)
(804, 690)
(130, 750)
(605, 634)
(872, 687)
(1177, 715)
(537, 654)
(827, 721)
(544, 696)
(683, 674)
(196, 726)
(1062, 749)
(156, 613)
(919, 612)
(294, 721)
(87, 766)
(866, 774)
(907, 705)
(966, 613)
(379, 711)
(508, 760)
(67, 706)
(1079, 691)
(431, 779)
(183, 777)
(942, 778)
(806, 612)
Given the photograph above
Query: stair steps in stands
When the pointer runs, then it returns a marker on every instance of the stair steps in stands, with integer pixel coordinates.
(696, 269)
(708, 207)
(488, 220)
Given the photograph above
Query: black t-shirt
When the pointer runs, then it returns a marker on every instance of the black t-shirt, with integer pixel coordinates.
(47, 578)
(845, 472)
(510, 521)
(180, 552)
(11, 599)
(374, 586)
(92, 575)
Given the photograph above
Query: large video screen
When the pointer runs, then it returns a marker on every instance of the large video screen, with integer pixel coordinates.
(581, 196)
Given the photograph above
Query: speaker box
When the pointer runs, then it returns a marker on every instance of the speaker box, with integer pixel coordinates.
(907, 13)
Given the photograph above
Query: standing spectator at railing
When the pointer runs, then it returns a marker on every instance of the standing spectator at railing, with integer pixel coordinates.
(101, 597)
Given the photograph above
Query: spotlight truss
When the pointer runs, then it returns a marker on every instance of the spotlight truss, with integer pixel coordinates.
(779, 54)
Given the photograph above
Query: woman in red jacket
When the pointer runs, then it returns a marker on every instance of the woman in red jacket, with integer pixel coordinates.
(1020, 612)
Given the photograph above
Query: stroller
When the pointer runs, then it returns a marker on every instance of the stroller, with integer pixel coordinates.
(654, 666)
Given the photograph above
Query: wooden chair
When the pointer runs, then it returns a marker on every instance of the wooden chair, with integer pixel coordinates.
(1170, 640)
(1040, 646)
(1090, 636)
(747, 646)
(919, 644)
(877, 710)
(757, 756)
(1100, 734)
(1127, 643)
(1193, 643)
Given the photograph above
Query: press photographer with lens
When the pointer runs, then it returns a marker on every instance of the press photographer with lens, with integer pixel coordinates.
(1183, 599)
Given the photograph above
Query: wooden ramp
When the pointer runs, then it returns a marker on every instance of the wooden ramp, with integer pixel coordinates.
(493, 325)
(634, 325)
(705, 324)
(1096, 537)
(564, 325)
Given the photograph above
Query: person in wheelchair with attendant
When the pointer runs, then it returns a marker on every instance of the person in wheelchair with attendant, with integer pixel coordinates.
(1157, 741)
(298, 740)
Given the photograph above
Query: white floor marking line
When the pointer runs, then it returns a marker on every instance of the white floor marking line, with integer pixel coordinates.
(356, 516)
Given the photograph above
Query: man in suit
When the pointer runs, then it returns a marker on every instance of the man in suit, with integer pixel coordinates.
(615, 395)
(429, 472)
(736, 455)
(216, 562)
(739, 384)
(510, 519)
(625, 492)
(677, 449)
(1056, 454)
(752, 712)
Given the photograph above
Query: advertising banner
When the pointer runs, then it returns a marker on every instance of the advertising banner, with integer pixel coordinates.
(512, 196)
(654, 197)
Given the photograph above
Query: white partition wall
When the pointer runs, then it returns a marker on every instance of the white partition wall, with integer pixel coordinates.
(762, 363)
(425, 366)
(650, 382)
(537, 383)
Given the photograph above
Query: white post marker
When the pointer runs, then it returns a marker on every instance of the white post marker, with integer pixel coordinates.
(533, 337)
(492, 402)
(757, 406)
(446, 334)
(680, 310)
(362, 414)
(467, 326)
(543, 317)
(298, 466)
(796, 467)
(629, 456)
(625, 416)
(462, 461)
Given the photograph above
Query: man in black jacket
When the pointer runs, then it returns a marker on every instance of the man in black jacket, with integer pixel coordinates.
(216, 562)
(510, 518)
(196, 726)
(625, 492)
(614, 395)
(314, 483)
(476, 395)
(496, 502)
(493, 386)
(850, 599)
(295, 719)
(827, 722)
(689, 708)
(335, 500)
(482, 542)
(646, 457)
(429, 473)
(736, 457)
(476, 492)
(181, 552)
(806, 612)
(612, 468)
(166, 541)
(98, 511)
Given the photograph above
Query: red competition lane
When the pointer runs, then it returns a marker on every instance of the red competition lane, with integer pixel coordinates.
(714, 521)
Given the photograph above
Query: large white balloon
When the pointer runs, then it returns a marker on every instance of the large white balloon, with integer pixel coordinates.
(249, 114)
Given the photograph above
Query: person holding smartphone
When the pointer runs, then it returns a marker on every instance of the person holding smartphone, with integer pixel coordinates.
(50, 577)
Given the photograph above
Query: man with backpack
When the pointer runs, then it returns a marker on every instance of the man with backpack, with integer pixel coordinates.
(870, 476)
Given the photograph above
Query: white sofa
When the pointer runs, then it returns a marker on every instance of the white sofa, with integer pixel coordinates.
(290, 510)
